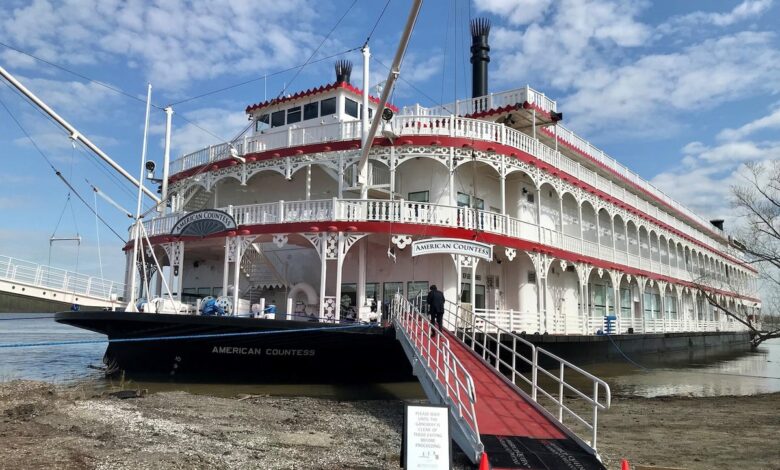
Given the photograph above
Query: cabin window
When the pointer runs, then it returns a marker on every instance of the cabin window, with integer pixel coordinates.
(294, 115)
(390, 288)
(465, 200)
(625, 303)
(415, 289)
(351, 107)
(348, 299)
(652, 305)
(311, 110)
(418, 196)
(328, 106)
(372, 291)
(262, 122)
(277, 119)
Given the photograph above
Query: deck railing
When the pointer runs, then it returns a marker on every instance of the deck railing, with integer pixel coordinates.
(513, 356)
(485, 103)
(454, 126)
(442, 368)
(67, 282)
(401, 211)
(599, 156)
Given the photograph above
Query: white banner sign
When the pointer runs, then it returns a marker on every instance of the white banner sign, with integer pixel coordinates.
(427, 438)
(453, 246)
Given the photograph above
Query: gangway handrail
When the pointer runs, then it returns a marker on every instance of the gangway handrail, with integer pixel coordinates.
(460, 326)
(451, 379)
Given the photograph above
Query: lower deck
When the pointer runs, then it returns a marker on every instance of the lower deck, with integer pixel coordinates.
(354, 275)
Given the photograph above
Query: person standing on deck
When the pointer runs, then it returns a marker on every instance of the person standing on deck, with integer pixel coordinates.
(435, 307)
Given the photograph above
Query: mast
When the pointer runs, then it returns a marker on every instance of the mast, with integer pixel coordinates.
(166, 160)
(75, 134)
(364, 122)
(392, 76)
(137, 226)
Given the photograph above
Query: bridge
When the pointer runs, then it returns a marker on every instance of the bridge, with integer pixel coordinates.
(502, 402)
(26, 286)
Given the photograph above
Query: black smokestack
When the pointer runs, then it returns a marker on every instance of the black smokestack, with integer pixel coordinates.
(343, 70)
(480, 28)
(718, 223)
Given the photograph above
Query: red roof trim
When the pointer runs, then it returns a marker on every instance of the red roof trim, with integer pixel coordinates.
(316, 91)
(450, 232)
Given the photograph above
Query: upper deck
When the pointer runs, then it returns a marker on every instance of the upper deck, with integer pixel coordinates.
(560, 148)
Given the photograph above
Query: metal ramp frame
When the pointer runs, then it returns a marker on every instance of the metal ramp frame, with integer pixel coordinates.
(442, 376)
(472, 345)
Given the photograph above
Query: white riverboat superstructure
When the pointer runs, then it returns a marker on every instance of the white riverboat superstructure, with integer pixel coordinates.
(575, 236)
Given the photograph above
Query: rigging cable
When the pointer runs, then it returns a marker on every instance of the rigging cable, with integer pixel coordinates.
(368, 38)
(56, 171)
(97, 235)
(281, 93)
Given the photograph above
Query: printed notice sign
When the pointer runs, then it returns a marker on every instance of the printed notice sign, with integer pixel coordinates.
(427, 438)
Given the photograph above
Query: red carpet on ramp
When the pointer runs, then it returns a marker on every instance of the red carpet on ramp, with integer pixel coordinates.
(515, 434)
(502, 411)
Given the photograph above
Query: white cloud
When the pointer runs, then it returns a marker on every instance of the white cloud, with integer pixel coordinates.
(518, 12)
(176, 42)
(597, 55)
(704, 180)
(748, 9)
(187, 137)
(772, 121)
(695, 78)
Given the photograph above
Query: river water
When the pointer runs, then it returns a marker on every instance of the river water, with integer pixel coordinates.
(744, 373)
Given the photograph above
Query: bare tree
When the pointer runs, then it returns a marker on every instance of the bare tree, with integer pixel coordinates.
(757, 202)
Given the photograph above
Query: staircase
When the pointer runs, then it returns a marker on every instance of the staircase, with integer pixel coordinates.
(195, 198)
(491, 383)
(261, 273)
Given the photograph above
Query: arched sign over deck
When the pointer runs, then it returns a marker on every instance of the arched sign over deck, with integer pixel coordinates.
(453, 246)
(203, 223)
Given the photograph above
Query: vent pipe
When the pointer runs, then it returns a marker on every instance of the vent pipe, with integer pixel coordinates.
(480, 28)
(343, 71)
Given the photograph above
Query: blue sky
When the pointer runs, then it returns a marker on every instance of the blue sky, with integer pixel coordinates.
(681, 92)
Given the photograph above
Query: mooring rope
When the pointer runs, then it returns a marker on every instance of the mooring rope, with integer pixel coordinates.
(177, 337)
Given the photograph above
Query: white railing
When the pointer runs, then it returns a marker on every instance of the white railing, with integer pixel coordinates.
(47, 277)
(599, 156)
(450, 378)
(454, 126)
(511, 361)
(485, 103)
(382, 210)
(270, 140)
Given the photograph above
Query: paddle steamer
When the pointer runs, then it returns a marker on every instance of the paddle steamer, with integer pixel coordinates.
(490, 198)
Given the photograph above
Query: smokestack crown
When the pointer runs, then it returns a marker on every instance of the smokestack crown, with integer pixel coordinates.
(343, 71)
(480, 57)
(480, 27)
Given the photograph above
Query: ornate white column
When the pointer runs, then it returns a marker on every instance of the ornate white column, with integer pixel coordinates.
(361, 284)
(503, 186)
(662, 290)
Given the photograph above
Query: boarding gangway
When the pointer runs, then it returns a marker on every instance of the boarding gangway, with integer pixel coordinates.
(502, 401)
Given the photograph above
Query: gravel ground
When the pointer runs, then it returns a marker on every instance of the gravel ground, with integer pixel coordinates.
(46, 427)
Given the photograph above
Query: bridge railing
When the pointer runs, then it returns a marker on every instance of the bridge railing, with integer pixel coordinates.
(486, 338)
(450, 378)
(47, 277)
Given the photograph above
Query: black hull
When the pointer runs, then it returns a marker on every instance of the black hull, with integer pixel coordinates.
(245, 350)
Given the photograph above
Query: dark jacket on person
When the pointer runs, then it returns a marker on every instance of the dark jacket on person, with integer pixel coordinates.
(435, 301)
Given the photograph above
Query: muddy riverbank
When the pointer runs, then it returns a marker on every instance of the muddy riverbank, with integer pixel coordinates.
(43, 426)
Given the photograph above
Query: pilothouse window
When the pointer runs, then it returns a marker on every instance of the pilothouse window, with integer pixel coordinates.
(262, 123)
(328, 107)
(351, 107)
(294, 115)
(277, 119)
(311, 110)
